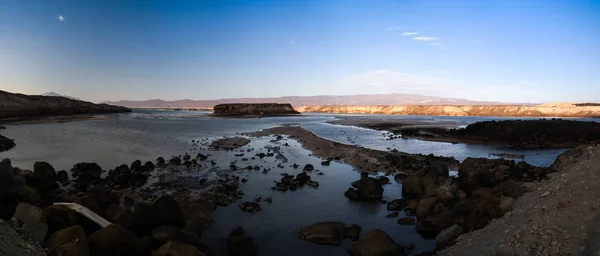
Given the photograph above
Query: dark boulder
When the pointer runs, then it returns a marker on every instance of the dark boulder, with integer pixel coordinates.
(115, 240)
(308, 167)
(447, 236)
(164, 211)
(85, 174)
(43, 174)
(367, 188)
(136, 166)
(250, 207)
(62, 176)
(239, 244)
(407, 221)
(160, 161)
(397, 204)
(176, 248)
(175, 161)
(325, 163)
(412, 186)
(70, 241)
(383, 180)
(148, 166)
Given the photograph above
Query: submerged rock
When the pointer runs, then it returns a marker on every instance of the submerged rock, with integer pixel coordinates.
(376, 243)
(239, 244)
(328, 233)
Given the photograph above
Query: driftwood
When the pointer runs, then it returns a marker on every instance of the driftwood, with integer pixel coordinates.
(86, 213)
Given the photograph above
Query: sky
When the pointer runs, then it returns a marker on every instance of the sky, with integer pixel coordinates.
(97, 50)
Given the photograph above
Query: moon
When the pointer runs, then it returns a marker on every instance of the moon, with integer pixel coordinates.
(61, 18)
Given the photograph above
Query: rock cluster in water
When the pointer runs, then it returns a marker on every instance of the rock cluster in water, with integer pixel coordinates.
(161, 227)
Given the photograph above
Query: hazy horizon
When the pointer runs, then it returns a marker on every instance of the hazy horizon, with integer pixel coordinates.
(509, 51)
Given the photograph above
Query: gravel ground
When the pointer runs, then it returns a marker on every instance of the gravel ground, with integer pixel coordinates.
(560, 216)
(14, 244)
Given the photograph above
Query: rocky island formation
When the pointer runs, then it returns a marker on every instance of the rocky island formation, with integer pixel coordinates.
(254, 109)
(20, 106)
(545, 110)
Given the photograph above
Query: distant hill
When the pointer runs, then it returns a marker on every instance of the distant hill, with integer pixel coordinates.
(53, 94)
(297, 101)
(14, 105)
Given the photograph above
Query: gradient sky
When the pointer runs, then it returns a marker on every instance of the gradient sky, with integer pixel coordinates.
(512, 51)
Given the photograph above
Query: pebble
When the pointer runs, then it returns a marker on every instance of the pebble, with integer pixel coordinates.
(545, 194)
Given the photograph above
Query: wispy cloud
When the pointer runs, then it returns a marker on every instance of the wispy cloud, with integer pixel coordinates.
(426, 38)
(385, 81)
(436, 44)
(393, 28)
(410, 33)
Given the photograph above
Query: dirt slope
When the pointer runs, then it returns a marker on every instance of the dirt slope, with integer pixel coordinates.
(559, 217)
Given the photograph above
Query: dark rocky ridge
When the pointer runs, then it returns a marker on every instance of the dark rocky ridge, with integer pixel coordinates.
(14, 105)
(255, 109)
(524, 134)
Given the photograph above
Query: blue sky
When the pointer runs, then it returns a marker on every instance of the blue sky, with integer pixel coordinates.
(512, 51)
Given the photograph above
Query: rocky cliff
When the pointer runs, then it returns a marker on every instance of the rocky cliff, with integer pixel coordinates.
(546, 110)
(14, 105)
(254, 109)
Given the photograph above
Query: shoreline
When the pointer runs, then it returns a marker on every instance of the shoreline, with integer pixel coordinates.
(52, 119)
(363, 159)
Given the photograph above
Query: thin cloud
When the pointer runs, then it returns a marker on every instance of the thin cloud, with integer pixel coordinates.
(436, 44)
(426, 38)
(292, 41)
(385, 81)
(393, 28)
(409, 33)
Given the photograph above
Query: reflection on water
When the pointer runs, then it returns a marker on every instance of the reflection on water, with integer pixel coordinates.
(147, 134)
(276, 227)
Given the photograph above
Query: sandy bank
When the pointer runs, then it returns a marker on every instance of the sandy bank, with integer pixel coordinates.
(547, 110)
(363, 159)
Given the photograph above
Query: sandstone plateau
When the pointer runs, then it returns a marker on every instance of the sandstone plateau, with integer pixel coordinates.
(545, 110)
(14, 105)
(254, 109)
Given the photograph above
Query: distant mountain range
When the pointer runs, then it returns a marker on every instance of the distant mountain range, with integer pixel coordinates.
(53, 94)
(298, 101)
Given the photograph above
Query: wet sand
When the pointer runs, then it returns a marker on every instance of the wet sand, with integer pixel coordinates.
(363, 159)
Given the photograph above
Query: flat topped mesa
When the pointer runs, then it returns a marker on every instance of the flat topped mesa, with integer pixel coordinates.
(254, 109)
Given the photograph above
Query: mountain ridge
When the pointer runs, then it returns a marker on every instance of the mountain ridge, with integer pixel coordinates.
(318, 100)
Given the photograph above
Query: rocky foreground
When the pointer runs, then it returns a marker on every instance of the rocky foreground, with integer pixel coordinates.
(22, 106)
(559, 216)
(254, 109)
(547, 110)
(152, 211)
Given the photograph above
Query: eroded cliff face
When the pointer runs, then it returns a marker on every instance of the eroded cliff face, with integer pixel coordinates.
(254, 109)
(546, 110)
(14, 105)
